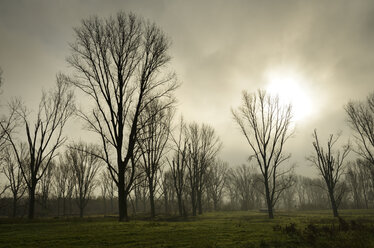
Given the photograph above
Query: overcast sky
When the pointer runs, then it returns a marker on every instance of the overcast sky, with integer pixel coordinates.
(219, 48)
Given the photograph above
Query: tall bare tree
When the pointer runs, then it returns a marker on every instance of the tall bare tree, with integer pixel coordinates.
(330, 164)
(120, 63)
(152, 140)
(361, 119)
(217, 179)
(84, 164)
(178, 163)
(44, 137)
(202, 149)
(266, 125)
(14, 175)
(241, 182)
(64, 181)
(45, 187)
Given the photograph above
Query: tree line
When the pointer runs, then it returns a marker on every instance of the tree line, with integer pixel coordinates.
(148, 157)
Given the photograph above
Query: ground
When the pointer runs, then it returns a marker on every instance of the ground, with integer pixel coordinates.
(222, 229)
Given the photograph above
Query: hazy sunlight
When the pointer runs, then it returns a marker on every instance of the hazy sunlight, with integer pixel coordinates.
(291, 88)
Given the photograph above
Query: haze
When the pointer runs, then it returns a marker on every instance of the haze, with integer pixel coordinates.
(219, 48)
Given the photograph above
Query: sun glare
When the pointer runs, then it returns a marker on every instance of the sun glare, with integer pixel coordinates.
(291, 88)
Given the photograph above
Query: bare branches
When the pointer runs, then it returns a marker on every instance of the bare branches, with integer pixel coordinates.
(330, 164)
(119, 63)
(84, 165)
(44, 135)
(266, 125)
(361, 120)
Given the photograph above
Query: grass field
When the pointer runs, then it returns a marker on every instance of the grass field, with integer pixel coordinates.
(222, 229)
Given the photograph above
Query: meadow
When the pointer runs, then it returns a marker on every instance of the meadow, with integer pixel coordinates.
(355, 228)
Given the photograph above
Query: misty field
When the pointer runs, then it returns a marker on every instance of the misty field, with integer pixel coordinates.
(223, 229)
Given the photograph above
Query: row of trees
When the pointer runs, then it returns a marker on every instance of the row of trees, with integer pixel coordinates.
(121, 65)
(226, 188)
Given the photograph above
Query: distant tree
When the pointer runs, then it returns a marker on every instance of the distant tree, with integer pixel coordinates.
(44, 137)
(266, 125)
(202, 149)
(217, 179)
(84, 165)
(64, 181)
(168, 190)
(361, 119)
(152, 140)
(46, 186)
(108, 189)
(241, 181)
(120, 63)
(178, 162)
(359, 177)
(14, 176)
(330, 164)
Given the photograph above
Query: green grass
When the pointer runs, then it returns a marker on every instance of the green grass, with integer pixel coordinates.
(222, 229)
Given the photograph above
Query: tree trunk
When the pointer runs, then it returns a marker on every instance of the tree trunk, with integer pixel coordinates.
(81, 211)
(269, 202)
(166, 203)
(14, 206)
(215, 204)
(199, 201)
(152, 200)
(64, 206)
(31, 202)
(122, 205)
(104, 199)
(58, 206)
(193, 202)
(333, 203)
(180, 207)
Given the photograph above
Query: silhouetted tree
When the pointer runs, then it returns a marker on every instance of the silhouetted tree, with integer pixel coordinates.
(265, 123)
(120, 64)
(45, 187)
(168, 190)
(14, 176)
(330, 164)
(64, 181)
(84, 165)
(359, 177)
(361, 119)
(178, 163)
(44, 137)
(152, 140)
(217, 179)
(202, 149)
(241, 180)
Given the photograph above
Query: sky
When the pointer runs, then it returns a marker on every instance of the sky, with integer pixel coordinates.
(317, 53)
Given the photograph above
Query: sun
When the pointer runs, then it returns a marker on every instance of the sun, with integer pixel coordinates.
(291, 88)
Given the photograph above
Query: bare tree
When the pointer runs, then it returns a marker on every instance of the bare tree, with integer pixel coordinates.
(64, 181)
(45, 187)
(265, 123)
(330, 164)
(119, 62)
(241, 181)
(202, 149)
(359, 178)
(14, 175)
(44, 137)
(108, 189)
(217, 179)
(84, 165)
(152, 140)
(361, 120)
(168, 191)
(178, 163)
